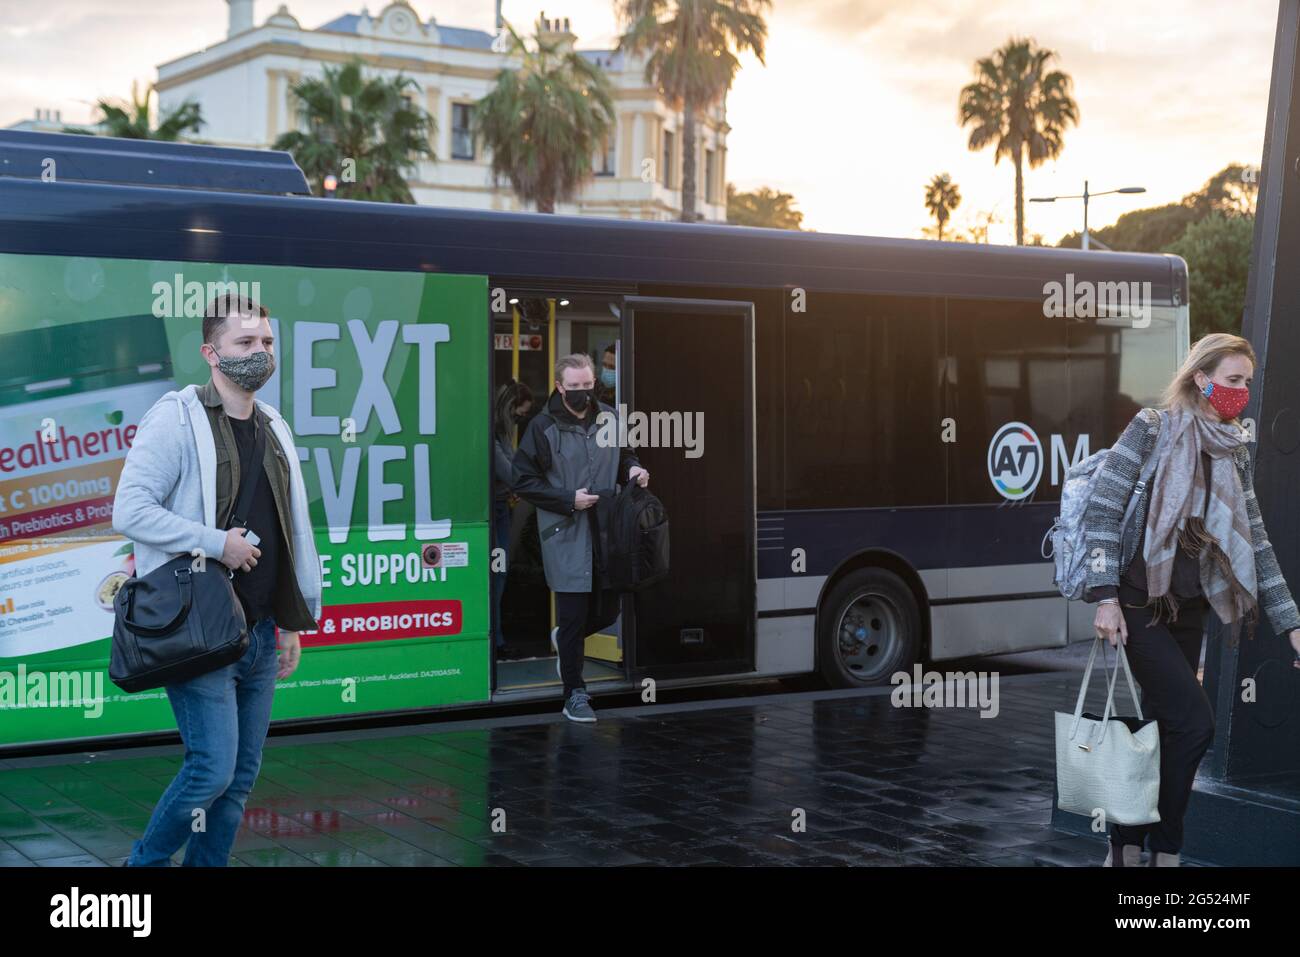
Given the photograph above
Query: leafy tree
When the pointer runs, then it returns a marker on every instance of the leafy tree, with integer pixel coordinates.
(1020, 109)
(367, 131)
(1217, 250)
(543, 121)
(133, 119)
(691, 60)
(762, 207)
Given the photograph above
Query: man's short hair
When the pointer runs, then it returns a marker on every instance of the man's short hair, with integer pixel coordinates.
(228, 304)
(574, 361)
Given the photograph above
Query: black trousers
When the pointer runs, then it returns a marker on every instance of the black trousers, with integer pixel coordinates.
(1164, 658)
(579, 614)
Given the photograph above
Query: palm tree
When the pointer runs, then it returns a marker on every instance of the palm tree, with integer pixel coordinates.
(366, 131)
(762, 207)
(544, 121)
(941, 198)
(133, 119)
(691, 62)
(1019, 108)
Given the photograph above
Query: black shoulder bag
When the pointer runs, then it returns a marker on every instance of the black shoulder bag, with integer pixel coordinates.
(183, 619)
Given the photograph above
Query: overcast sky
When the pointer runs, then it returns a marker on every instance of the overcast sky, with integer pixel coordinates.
(855, 110)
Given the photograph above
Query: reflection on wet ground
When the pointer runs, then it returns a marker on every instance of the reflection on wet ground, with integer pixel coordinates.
(828, 778)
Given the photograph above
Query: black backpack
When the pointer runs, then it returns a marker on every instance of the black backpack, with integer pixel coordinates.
(631, 539)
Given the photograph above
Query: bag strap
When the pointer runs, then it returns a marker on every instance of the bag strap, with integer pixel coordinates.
(1128, 674)
(1110, 693)
(248, 481)
(187, 600)
(1148, 467)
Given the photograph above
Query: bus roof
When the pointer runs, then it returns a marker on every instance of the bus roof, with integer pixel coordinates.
(190, 224)
(73, 157)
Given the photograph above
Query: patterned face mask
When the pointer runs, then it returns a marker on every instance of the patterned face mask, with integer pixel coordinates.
(1227, 401)
(249, 372)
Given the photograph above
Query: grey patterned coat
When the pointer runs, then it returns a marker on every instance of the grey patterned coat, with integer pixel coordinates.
(1102, 519)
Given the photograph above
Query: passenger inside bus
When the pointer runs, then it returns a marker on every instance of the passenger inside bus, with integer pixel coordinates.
(514, 402)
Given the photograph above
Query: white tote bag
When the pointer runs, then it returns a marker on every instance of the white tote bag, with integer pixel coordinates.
(1103, 764)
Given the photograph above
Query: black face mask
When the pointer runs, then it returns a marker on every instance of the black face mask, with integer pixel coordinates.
(521, 418)
(578, 399)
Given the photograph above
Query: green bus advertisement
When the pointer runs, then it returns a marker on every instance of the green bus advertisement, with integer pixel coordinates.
(382, 377)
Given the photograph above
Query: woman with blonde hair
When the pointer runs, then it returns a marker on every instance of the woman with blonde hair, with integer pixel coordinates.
(1199, 542)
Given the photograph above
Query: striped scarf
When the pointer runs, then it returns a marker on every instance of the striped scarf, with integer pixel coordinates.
(1221, 540)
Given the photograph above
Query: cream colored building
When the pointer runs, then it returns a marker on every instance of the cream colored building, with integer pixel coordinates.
(242, 84)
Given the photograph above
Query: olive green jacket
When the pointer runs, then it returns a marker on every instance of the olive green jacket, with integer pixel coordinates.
(290, 608)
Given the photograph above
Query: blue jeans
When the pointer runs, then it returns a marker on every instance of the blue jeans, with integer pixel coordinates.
(223, 717)
(501, 540)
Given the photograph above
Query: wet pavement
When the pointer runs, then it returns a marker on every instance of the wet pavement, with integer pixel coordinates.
(727, 782)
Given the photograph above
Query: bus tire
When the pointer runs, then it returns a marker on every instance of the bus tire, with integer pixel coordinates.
(868, 628)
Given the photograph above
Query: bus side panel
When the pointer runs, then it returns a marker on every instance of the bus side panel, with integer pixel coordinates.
(379, 375)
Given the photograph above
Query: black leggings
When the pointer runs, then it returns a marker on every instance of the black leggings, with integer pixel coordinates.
(1164, 659)
(579, 614)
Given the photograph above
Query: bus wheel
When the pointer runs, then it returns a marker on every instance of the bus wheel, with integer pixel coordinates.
(869, 628)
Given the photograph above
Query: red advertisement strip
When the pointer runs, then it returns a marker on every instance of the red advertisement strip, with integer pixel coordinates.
(384, 621)
(61, 519)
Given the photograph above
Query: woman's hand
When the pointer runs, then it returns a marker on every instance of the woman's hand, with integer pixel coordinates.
(1295, 643)
(1109, 622)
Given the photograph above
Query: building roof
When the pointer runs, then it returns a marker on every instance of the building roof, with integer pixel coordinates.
(460, 37)
(450, 36)
(344, 24)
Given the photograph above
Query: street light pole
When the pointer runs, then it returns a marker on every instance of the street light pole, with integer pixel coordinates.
(1085, 214)
(1085, 196)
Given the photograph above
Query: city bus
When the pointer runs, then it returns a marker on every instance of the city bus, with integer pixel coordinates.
(859, 441)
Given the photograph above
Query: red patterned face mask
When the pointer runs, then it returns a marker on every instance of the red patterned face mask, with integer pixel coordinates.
(1227, 401)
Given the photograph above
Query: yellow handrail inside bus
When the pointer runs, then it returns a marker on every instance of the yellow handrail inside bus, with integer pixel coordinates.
(514, 343)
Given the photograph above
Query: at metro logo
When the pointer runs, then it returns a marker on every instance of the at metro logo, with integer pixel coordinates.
(1015, 459)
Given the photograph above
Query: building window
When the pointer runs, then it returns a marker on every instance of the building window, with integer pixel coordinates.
(667, 159)
(462, 137)
(604, 164)
(710, 176)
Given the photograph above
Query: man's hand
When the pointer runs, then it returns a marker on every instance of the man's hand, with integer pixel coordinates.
(639, 475)
(290, 652)
(239, 552)
(582, 500)
(1295, 643)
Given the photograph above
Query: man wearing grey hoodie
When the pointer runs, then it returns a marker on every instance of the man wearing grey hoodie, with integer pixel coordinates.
(175, 496)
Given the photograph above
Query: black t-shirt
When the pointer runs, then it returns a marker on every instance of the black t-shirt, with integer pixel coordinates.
(256, 588)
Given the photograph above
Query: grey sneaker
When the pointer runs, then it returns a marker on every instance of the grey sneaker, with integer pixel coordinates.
(578, 707)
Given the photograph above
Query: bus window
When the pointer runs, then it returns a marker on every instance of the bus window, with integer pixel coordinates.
(1009, 364)
(864, 402)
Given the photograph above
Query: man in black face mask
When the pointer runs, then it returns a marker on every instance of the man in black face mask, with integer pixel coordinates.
(178, 492)
(559, 459)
